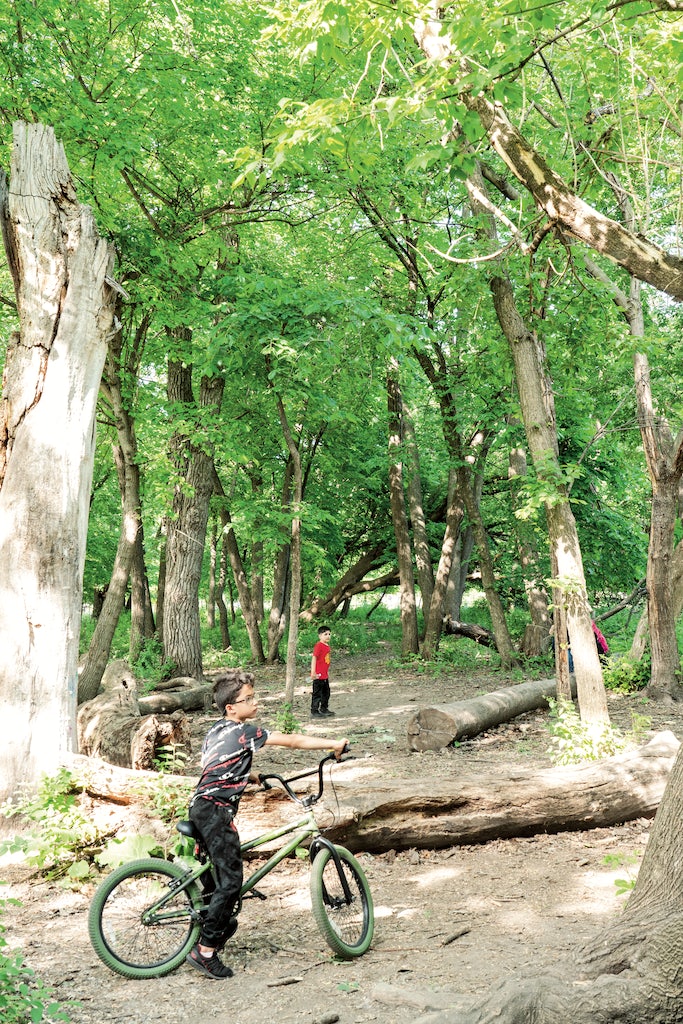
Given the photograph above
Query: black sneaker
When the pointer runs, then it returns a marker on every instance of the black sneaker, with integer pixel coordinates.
(212, 966)
(325, 712)
(318, 714)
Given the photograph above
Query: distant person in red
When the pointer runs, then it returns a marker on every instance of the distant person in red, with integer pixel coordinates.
(320, 675)
(601, 644)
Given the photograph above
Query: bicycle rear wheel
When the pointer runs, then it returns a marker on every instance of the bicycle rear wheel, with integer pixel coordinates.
(139, 925)
(345, 922)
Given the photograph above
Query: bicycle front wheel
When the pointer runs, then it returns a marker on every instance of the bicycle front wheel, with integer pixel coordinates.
(140, 924)
(342, 902)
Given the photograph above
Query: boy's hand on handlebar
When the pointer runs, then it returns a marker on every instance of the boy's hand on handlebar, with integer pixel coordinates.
(342, 747)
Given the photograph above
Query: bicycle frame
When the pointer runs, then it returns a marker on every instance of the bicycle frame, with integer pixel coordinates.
(305, 828)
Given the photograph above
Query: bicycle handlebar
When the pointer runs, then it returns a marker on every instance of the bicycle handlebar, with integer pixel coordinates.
(308, 798)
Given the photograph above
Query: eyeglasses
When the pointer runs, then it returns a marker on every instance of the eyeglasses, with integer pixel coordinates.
(246, 700)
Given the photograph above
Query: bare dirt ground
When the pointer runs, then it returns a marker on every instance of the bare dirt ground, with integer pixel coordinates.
(517, 906)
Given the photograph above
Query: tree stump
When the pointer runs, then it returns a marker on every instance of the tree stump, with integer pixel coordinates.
(111, 726)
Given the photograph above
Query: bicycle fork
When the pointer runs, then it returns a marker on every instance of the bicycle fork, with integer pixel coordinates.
(316, 845)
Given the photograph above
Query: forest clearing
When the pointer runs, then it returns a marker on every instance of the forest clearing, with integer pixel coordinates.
(314, 310)
(449, 922)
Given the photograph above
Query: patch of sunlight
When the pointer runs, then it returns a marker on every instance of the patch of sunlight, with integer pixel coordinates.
(599, 896)
(436, 876)
(384, 911)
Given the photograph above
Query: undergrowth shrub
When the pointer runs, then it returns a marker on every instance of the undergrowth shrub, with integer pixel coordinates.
(626, 675)
(24, 999)
(574, 741)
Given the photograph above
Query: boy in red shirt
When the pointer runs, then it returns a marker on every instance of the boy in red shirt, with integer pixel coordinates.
(320, 671)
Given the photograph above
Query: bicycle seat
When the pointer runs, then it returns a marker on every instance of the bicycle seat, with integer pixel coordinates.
(187, 828)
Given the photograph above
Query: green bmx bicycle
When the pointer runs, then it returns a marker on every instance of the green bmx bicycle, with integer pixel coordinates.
(146, 916)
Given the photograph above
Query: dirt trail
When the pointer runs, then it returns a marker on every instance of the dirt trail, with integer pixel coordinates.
(448, 922)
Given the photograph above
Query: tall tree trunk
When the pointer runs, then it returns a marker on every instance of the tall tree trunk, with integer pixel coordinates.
(128, 472)
(240, 576)
(60, 270)
(278, 604)
(539, 423)
(500, 628)
(664, 461)
(536, 634)
(454, 516)
(213, 574)
(295, 553)
(665, 464)
(220, 596)
(538, 414)
(142, 614)
(423, 559)
(187, 527)
(257, 552)
(409, 638)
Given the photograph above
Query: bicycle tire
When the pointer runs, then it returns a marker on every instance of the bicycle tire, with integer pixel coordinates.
(120, 936)
(346, 928)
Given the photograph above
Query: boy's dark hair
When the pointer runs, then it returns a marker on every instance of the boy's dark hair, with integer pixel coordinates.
(324, 629)
(228, 685)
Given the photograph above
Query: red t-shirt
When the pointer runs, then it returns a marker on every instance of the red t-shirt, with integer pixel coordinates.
(321, 653)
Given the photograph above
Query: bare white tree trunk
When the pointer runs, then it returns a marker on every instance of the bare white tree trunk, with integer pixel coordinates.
(53, 366)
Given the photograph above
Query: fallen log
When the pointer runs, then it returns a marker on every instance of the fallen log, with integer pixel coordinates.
(433, 728)
(480, 635)
(385, 814)
(370, 812)
(187, 696)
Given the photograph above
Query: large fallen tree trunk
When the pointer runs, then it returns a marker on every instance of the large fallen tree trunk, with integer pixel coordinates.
(370, 812)
(389, 814)
(433, 728)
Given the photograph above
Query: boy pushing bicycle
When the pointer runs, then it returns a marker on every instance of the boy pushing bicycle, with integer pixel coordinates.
(227, 754)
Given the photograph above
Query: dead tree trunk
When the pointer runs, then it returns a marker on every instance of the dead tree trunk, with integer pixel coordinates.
(435, 727)
(65, 301)
(390, 814)
(112, 727)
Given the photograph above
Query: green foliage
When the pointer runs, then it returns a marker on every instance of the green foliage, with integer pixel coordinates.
(150, 667)
(627, 860)
(625, 675)
(167, 797)
(574, 741)
(120, 851)
(286, 721)
(170, 758)
(65, 841)
(24, 999)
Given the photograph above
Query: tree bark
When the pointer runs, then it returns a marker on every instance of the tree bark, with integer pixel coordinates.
(248, 610)
(433, 728)
(126, 461)
(387, 814)
(537, 632)
(539, 423)
(295, 552)
(408, 608)
(186, 536)
(65, 301)
(423, 559)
